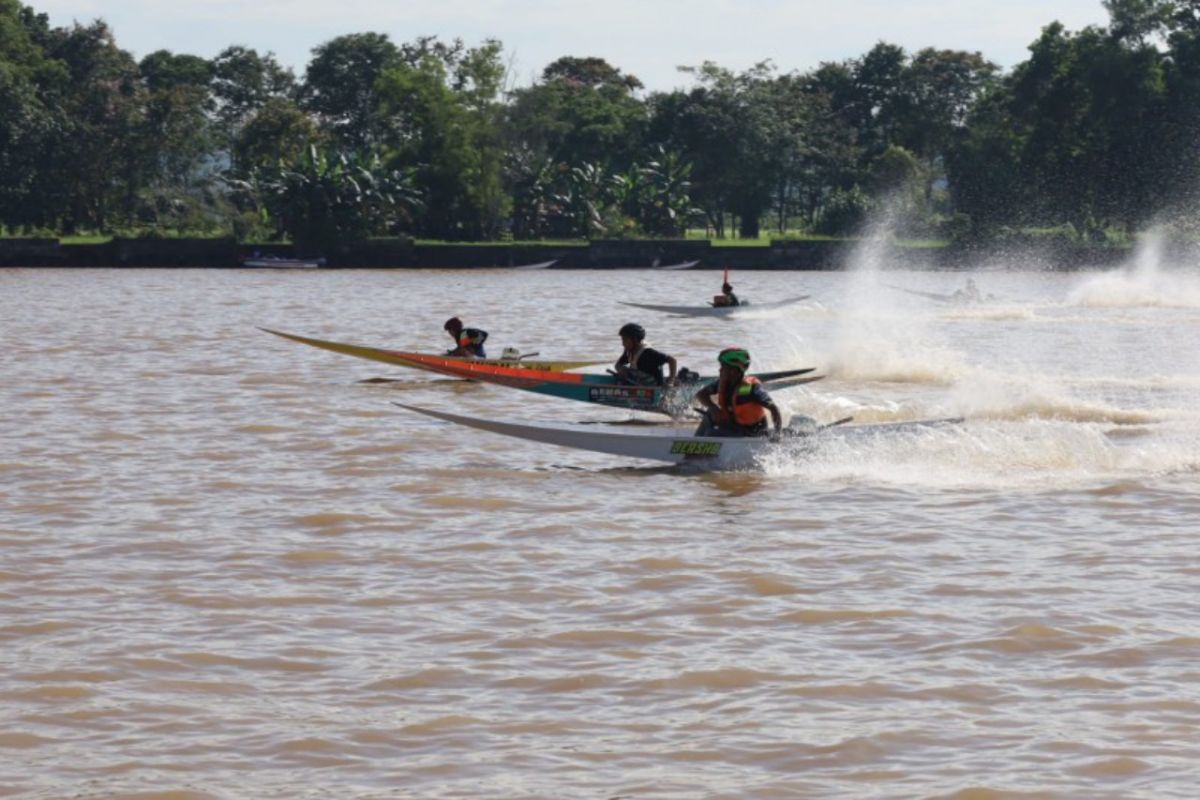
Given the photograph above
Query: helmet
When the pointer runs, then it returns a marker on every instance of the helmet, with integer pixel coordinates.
(453, 324)
(725, 287)
(633, 331)
(734, 357)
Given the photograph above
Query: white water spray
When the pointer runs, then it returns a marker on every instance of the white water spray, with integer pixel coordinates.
(1143, 282)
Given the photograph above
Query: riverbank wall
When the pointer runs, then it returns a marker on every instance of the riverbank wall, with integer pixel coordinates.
(400, 253)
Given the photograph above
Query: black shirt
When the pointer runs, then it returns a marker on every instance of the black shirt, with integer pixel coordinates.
(650, 362)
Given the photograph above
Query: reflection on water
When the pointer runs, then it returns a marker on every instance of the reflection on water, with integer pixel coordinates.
(230, 569)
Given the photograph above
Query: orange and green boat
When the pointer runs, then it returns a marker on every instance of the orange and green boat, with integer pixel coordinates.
(402, 358)
(581, 386)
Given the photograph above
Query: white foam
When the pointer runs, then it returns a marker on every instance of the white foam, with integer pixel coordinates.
(1142, 283)
(1039, 455)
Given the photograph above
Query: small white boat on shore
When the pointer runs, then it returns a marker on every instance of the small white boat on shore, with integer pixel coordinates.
(273, 262)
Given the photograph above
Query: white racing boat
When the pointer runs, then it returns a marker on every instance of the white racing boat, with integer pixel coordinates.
(674, 445)
(717, 311)
(680, 265)
(539, 265)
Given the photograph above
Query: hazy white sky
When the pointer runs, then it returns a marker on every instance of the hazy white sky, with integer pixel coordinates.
(648, 38)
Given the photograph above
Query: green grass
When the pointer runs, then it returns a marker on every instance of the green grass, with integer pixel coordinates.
(923, 244)
(90, 238)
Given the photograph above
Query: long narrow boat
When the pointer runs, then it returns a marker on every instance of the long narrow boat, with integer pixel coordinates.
(680, 265)
(606, 390)
(676, 445)
(539, 265)
(402, 358)
(717, 311)
(958, 298)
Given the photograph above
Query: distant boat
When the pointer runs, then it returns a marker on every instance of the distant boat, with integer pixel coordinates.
(962, 297)
(274, 262)
(539, 265)
(681, 265)
(716, 311)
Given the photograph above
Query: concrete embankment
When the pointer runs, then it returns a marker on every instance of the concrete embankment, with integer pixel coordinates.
(400, 253)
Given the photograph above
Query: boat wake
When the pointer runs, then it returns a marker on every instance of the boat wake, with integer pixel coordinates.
(1125, 289)
(1041, 455)
(1143, 283)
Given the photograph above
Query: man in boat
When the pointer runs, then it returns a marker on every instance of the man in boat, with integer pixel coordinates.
(726, 297)
(742, 406)
(468, 341)
(968, 294)
(640, 365)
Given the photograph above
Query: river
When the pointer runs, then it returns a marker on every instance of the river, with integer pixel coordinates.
(229, 569)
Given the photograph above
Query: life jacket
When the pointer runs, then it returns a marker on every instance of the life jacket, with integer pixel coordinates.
(744, 410)
(637, 355)
(472, 339)
(638, 375)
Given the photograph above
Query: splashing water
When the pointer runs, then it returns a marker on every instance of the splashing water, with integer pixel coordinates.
(1016, 455)
(1142, 283)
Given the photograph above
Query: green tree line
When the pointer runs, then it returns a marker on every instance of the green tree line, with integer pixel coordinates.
(1096, 130)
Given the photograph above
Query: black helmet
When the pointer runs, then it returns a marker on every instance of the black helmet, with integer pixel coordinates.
(633, 331)
(453, 324)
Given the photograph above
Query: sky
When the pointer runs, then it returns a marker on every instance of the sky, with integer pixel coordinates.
(648, 38)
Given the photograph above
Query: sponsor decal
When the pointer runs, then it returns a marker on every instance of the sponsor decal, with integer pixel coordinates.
(621, 395)
(694, 449)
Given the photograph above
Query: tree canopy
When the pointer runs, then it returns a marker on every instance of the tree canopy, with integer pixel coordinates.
(1094, 130)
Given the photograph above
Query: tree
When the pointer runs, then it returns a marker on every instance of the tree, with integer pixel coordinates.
(243, 83)
(339, 85)
(27, 122)
(89, 171)
(582, 110)
(279, 131)
(444, 126)
(725, 127)
(329, 198)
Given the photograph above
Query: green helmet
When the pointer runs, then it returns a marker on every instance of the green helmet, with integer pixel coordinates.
(735, 357)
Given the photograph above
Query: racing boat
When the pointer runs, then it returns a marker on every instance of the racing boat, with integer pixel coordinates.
(606, 390)
(539, 265)
(958, 298)
(717, 311)
(678, 445)
(427, 362)
(680, 265)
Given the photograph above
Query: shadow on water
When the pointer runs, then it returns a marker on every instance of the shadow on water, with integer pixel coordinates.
(728, 483)
(401, 384)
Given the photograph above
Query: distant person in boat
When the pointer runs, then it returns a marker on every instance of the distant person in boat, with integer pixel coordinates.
(734, 404)
(726, 298)
(640, 365)
(969, 293)
(468, 341)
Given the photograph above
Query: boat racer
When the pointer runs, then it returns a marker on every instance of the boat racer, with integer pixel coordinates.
(742, 405)
(468, 341)
(726, 298)
(640, 365)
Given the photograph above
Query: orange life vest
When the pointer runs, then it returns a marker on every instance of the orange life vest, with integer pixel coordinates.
(744, 409)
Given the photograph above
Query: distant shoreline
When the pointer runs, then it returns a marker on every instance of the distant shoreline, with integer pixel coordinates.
(780, 254)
